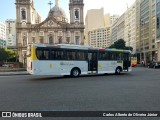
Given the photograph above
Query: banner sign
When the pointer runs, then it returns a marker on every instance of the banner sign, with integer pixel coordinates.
(29, 114)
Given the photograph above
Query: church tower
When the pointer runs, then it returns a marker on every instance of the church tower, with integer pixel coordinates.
(76, 11)
(24, 10)
(26, 16)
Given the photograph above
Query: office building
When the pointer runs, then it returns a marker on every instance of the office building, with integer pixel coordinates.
(2, 31)
(110, 19)
(94, 19)
(100, 37)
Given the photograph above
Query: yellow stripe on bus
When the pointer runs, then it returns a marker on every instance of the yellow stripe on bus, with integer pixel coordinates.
(33, 53)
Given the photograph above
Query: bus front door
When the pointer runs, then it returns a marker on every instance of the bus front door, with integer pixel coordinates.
(92, 61)
(126, 61)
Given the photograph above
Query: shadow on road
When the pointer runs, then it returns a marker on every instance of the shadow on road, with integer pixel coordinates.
(44, 78)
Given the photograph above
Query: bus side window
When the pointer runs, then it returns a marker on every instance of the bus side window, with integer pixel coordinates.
(106, 56)
(111, 55)
(103, 56)
(118, 56)
(80, 55)
(52, 54)
(46, 54)
(71, 55)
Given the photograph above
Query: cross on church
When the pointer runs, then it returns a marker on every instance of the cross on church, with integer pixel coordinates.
(50, 3)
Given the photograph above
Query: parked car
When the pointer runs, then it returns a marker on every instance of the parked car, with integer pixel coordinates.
(154, 64)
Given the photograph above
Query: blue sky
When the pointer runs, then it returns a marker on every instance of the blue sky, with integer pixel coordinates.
(8, 9)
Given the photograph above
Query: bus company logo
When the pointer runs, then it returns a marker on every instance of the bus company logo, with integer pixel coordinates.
(66, 63)
(6, 114)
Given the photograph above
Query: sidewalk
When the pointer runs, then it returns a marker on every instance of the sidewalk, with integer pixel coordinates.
(13, 71)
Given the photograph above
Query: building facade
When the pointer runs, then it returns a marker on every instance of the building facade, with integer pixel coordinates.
(110, 19)
(2, 43)
(100, 37)
(118, 29)
(147, 38)
(130, 27)
(2, 31)
(94, 19)
(98, 24)
(11, 33)
(55, 29)
(157, 53)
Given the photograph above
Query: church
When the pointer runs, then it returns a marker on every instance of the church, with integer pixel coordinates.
(55, 29)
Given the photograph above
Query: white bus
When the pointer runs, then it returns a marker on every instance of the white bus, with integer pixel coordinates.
(74, 60)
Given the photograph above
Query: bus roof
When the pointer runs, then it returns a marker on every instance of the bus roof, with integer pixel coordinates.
(117, 50)
(69, 46)
(72, 46)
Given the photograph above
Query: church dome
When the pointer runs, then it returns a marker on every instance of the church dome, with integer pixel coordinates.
(58, 12)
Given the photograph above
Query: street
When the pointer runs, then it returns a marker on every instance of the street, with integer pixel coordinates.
(135, 91)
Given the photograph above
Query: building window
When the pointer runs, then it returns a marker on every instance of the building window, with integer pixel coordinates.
(76, 14)
(60, 40)
(153, 46)
(33, 40)
(50, 40)
(77, 40)
(23, 12)
(67, 40)
(41, 40)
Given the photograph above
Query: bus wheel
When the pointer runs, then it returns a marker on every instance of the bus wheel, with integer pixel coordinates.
(75, 72)
(118, 71)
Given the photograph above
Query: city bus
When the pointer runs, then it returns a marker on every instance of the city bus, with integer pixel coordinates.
(75, 60)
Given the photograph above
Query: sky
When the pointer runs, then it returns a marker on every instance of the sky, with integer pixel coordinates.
(8, 9)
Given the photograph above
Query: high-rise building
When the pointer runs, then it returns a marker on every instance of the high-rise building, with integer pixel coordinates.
(130, 27)
(11, 33)
(2, 43)
(138, 29)
(110, 19)
(94, 19)
(147, 27)
(100, 37)
(2, 31)
(118, 29)
(125, 28)
(157, 53)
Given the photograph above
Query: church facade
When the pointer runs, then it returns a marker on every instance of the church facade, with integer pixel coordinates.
(55, 29)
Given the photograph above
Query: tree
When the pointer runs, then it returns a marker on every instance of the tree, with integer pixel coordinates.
(129, 48)
(3, 55)
(120, 44)
(12, 55)
(8, 55)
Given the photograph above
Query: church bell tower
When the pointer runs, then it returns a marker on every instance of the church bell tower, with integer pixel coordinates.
(76, 11)
(23, 11)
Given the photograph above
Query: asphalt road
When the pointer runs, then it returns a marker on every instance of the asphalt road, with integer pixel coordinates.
(135, 91)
